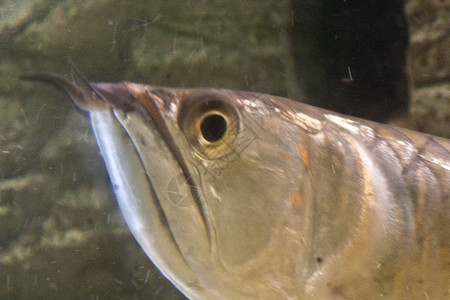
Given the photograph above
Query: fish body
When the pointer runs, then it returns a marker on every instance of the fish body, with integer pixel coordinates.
(240, 195)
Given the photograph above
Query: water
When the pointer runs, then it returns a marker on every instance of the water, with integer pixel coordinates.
(61, 234)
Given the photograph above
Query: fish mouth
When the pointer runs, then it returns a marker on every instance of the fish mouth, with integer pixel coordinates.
(88, 97)
(149, 103)
(139, 201)
(161, 160)
(112, 108)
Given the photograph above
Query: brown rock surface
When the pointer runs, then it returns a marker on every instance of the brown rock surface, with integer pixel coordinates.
(429, 25)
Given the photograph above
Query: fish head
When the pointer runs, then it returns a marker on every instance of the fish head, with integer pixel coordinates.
(240, 195)
(254, 192)
(210, 182)
(226, 172)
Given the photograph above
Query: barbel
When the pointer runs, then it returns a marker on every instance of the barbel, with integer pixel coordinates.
(240, 195)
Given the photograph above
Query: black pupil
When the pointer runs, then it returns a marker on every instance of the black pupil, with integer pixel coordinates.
(213, 128)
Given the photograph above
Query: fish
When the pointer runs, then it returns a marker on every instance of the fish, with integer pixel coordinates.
(245, 195)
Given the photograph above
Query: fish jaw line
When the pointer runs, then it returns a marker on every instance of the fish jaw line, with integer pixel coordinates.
(168, 174)
(137, 200)
(163, 115)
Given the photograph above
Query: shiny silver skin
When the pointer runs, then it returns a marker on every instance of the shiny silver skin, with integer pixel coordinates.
(291, 202)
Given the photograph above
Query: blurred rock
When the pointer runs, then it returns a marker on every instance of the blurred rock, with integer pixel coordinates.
(429, 60)
(431, 109)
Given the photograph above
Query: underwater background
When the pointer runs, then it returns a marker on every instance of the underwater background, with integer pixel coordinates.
(61, 233)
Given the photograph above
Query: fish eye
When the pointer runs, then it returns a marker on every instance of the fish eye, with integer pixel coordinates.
(209, 124)
(213, 127)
